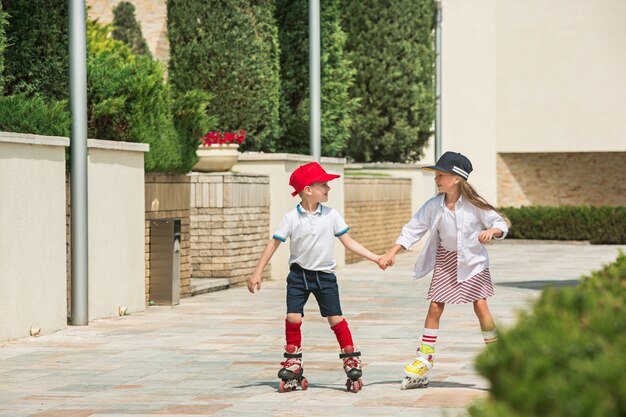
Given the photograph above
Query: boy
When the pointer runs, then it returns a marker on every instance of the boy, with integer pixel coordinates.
(311, 228)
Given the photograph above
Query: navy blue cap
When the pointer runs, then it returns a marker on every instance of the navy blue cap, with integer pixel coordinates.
(454, 163)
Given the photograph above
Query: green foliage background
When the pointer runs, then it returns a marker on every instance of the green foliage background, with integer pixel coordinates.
(337, 77)
(37, 57)
(566, 357)
(127, 29)
(230, 50)
(391, 46)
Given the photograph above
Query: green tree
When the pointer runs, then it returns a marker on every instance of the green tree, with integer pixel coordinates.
(3, 44)
(128, 30)
(336, 79)
(230, 50)
(391, 47)
(37, 56)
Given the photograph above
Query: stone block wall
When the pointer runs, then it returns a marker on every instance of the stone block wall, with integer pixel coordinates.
(229, 225)
(376, 209)
(556, 179)
(167, 197)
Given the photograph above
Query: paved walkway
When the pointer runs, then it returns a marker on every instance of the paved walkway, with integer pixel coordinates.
(217, 354)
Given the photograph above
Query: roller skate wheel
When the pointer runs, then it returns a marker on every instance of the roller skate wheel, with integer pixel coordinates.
(281, 386)
(304, 384)
(410, 383)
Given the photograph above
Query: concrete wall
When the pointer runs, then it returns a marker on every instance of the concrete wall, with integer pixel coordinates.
(279, 168)
(167, 197)
(116, 227)
(376, 210)
(229, 224)
(32, 225)
(532, 77)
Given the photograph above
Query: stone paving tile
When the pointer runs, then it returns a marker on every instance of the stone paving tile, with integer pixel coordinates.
(217, 354)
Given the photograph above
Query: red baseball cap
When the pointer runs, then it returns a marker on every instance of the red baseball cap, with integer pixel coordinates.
(308, 174)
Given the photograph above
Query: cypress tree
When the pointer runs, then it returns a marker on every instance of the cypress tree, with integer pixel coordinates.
(128, 30)
(229, 48)
(336, 79)
(37, 56)
(3, 44)
(391, 46)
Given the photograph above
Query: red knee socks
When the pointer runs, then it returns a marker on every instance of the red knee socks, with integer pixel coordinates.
(342, 332)
(293, 335)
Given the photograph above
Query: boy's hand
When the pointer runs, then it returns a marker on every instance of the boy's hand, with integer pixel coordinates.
(254, 283)
(386, 261)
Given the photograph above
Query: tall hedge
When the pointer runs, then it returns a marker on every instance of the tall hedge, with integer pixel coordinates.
(3, 44)
(391, 46)
(128, 30)
(602, 224)
(230, 50)
(37, 58)
(566, 357)
(336, 79)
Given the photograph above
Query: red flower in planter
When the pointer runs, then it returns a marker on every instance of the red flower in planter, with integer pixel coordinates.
(220, 138)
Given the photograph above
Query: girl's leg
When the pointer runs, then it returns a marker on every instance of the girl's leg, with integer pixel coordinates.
(417, 371)
(435, 310)
(487, 323)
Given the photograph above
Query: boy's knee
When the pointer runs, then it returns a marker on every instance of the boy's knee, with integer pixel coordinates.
(334, 320)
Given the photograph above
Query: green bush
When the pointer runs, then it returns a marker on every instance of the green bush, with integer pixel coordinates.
(566, 357)
(23, 113)
(3, 45)
(229, 49)
(391, 47)
(337, 77)
(129, 101)
(595, 224)
(128, 30)
(36, 58)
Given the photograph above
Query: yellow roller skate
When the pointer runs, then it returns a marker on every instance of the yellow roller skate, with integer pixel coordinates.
(416, 373)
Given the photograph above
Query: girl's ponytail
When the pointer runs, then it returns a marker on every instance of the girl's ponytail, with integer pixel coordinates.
(468, 192)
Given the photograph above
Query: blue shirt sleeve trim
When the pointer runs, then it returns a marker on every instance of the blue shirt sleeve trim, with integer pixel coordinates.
(282, 239)
(342, 232)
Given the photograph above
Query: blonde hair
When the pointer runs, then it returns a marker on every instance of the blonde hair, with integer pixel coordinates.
(468, 192)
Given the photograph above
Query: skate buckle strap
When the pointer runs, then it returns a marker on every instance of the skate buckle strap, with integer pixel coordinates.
(349, 355)
(292, 355)
(425, 361)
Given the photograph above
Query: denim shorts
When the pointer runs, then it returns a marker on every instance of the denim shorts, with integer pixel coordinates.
(302, 282)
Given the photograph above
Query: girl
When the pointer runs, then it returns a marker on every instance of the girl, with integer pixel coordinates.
(460, 223)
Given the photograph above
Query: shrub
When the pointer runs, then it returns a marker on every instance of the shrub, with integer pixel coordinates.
(128, 30)
(229, 49)
(3, 45)
(595, 224)
(128, 100)
(33, 114)
(37, 56)
(336, 79)
(391, 47)
(566, 357)
(191, 122)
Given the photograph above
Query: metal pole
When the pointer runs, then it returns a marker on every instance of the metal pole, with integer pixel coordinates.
(438, 19)
(315, 79)
(78, 147)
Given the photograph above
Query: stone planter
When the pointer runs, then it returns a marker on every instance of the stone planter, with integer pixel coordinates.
(217, 158)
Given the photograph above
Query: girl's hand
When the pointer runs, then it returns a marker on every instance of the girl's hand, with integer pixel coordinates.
(486, 236)
(386, 261)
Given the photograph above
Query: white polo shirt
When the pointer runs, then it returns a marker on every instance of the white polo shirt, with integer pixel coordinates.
(312, 236)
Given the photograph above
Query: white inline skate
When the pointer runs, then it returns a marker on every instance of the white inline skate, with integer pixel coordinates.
(416, 373)
(291, 374)
(352, 367)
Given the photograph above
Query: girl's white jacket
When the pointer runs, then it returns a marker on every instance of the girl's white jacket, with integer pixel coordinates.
(472, 255)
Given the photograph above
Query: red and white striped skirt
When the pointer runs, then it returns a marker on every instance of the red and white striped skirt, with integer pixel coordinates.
(444, 287)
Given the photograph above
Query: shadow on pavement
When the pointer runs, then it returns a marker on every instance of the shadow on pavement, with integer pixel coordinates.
(540, 284)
